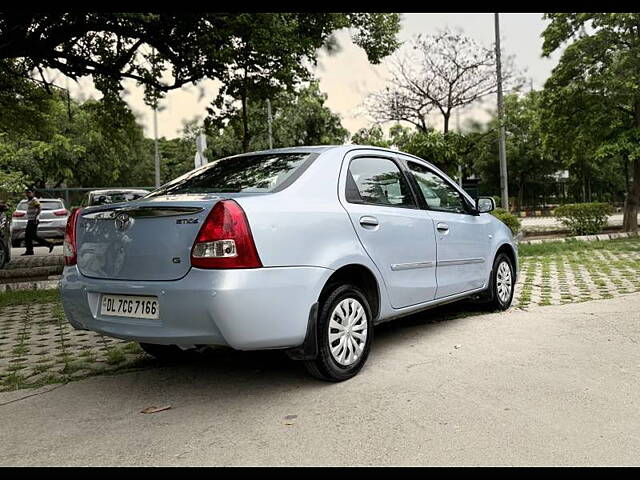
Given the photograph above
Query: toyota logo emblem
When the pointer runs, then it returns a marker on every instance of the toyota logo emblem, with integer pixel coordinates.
(123, 221)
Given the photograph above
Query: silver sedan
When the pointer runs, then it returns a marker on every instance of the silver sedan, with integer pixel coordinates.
(301, 249)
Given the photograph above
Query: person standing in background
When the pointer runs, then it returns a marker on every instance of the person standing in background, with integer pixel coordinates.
(31, 233)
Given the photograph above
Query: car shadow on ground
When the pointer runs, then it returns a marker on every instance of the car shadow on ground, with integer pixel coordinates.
(224, 365)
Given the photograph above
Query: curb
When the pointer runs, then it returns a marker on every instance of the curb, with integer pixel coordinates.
(51, 260)
(582, 238)
(12, 275)
(51, 282)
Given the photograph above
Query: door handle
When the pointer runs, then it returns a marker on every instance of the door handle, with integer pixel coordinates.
(368, 221)
(442, 227)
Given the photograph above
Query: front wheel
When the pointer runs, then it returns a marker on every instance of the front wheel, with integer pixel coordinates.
(345, 332)
(502, 283)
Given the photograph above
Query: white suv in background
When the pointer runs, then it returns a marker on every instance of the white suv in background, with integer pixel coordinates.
(53, 220)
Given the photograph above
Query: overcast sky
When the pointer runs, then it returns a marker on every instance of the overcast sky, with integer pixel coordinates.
(347, 77)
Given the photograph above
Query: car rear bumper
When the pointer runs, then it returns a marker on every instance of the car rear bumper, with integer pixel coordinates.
(245, 309)
(43, 232)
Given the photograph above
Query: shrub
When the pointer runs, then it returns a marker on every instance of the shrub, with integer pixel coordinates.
(584, 218)
(509, 219)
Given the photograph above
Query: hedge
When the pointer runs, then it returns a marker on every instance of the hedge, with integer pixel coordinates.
(584, 218)
(509, 219)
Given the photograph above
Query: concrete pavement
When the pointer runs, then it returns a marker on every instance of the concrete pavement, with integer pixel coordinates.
(37, 252)
(553, 385)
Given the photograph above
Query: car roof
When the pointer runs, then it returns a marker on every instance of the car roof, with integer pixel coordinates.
(326, 148)
(300, 149)
(118, 190)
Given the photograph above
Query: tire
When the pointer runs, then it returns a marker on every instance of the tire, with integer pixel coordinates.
(502, 283)
(16, 243)
(343, 363)
(166, 353)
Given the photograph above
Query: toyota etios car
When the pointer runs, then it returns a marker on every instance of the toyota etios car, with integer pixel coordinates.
(303, 249)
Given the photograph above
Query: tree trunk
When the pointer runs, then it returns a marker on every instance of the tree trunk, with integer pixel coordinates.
(446, 122)
(520, 192)
(245, 116)
(630, 222)
(630, 219)
(245, 126)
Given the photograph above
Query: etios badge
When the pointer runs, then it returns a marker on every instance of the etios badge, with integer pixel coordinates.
(123, 221)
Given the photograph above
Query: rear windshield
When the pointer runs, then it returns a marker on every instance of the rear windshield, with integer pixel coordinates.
(44, 205)
(115, 197)
(251, 173)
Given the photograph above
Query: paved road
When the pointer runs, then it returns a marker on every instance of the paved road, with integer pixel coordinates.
(555, 385)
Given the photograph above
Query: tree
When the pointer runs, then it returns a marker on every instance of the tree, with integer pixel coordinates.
(444, 151)
(577, 128)
(302, 119)
(239, 50)
(299, 118)
(114, 46)
(272, 53)
(177, 154)
(530, 164)
(91, 144)
(602, 63)
(373, 136)
(441, 72)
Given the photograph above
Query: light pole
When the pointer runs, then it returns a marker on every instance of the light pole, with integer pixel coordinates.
(460, 161)
(155, 142)
(155, 129)
(269, 123)
(504, 187)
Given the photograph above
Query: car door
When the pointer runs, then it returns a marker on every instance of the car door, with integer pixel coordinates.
(462, 236)
(393, 230)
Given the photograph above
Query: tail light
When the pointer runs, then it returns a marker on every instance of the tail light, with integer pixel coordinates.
(225, 239)
(17, 214)
(70, 247)
(60, 213)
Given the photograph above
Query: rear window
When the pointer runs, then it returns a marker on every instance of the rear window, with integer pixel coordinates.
(115, 197)
(251, 173)
(44, 205)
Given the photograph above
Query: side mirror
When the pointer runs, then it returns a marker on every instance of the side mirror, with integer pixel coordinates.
(485, 204)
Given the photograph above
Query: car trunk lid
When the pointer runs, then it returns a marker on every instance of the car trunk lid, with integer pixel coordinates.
(149, 239)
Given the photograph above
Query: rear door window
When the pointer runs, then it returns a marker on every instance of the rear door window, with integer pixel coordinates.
(378, 181)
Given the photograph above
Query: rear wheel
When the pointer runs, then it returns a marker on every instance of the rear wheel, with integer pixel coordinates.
(16, 243)
(170, 353)
(345, 332)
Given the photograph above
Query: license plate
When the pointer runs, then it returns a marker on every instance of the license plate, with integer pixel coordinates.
(130, 306)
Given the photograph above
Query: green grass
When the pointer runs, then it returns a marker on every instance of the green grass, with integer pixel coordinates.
(29, 297)
(115, 356)
(576, 246)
